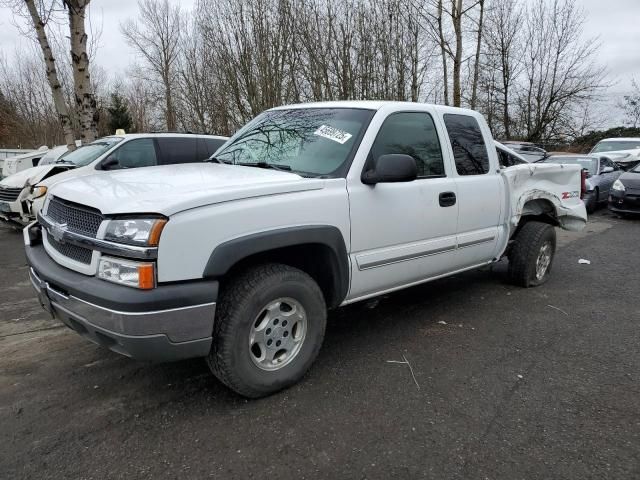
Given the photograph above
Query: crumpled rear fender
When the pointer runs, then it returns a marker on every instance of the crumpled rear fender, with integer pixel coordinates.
(546, 189)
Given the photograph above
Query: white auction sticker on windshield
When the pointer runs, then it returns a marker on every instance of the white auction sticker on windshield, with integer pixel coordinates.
(334, 134)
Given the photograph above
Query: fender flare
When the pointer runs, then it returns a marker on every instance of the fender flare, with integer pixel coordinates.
(227, 254)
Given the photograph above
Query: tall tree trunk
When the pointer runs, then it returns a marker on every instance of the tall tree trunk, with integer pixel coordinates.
(83, 93)
(505, 112)
(52, 75)
(456, 17)
(170, 115)
(443, 53)
(476, 68)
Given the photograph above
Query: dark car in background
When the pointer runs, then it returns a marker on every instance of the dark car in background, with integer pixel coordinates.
(602, 172)
(624, 197)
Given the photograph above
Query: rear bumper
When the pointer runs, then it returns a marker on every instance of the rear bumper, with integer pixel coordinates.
(170, 322)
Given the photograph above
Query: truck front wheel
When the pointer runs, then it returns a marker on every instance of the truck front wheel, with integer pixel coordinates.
(269, 327)
(531, 254)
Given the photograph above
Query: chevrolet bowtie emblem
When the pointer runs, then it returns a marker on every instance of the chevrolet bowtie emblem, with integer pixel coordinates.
(56, 230)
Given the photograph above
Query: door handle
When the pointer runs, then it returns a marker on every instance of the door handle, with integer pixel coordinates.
(447, 199)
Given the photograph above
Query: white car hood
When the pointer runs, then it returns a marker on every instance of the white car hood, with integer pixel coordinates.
(29, 176)
(622, 155)
(173, 188)
(70, 173)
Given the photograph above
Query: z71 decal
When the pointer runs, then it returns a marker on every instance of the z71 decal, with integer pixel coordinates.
(567, 195)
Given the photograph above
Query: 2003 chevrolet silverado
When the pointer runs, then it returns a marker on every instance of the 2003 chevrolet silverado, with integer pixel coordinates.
(307, 208)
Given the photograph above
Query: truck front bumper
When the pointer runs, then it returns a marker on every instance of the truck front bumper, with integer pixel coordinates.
(170, 322)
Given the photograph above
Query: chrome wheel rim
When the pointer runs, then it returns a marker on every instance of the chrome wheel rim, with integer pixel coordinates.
(543, 261)
(277, 334)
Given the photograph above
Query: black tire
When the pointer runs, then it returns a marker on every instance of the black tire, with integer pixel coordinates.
(524, 253)
(239, 305)
(592, 203)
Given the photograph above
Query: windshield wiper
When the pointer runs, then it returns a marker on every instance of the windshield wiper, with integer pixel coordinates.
(65, 161)
(272, 166)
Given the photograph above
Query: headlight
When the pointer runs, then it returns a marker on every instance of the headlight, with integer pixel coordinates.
(37, 192)
(618, 185)
(127, 272)
(135, 231)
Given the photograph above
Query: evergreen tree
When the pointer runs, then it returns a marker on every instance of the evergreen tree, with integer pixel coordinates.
(119, 116)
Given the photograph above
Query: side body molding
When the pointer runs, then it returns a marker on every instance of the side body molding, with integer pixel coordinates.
(227, 254)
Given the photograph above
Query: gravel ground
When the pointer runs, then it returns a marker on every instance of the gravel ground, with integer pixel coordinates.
(511, 384)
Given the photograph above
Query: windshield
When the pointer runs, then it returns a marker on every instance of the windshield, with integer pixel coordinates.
(636, 169)
(590, 164)
(308, 141)
(86, 154)
(615, 146)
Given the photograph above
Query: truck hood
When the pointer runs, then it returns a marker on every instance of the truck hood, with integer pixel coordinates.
(30, 176)
(173, 188)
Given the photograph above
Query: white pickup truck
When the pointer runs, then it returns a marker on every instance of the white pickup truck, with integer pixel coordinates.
(307, 208)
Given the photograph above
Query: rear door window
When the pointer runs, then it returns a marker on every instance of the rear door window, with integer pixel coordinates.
(136, 153)
(178, 150)
(469, 150)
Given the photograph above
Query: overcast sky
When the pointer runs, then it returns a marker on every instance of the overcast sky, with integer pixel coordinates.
(615, 22)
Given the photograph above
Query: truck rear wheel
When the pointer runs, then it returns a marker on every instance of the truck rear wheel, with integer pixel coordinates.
(269, 327)
(531, 255)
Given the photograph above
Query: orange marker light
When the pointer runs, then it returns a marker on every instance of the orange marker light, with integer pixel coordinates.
(146, 277)
(156, 230)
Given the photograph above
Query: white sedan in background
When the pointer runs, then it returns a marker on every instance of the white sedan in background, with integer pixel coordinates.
(624, 151)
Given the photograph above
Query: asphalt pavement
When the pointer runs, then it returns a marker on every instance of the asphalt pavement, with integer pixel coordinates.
(500, 383)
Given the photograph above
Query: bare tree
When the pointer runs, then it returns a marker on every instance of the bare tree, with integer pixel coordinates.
(559, 68)
(503, 46)
(157, 39)
(29, 116)
(631, 105)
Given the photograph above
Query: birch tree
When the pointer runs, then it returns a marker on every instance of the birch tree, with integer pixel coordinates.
(84, 95)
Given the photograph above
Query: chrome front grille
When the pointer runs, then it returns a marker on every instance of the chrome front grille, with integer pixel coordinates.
(78, 218)
(9, 194)
(79, 254)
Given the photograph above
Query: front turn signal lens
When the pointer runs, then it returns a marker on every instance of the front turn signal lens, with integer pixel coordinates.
(156, 231)
(146, 276)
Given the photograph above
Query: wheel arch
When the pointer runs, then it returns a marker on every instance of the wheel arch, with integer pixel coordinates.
(318, 250)
(537, 209)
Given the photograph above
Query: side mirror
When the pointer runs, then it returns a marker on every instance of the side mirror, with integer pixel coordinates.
(607, 170)
(109, 163)
(395, 167)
